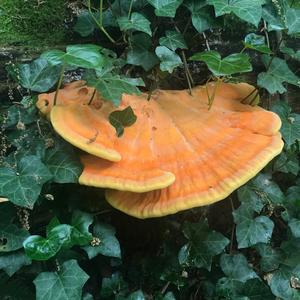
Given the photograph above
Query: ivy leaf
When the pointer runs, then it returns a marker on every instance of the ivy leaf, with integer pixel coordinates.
(236, 267)
(256, 42)
(232, 64)
(112, 86)
(81, 222)
(291, 52)
(173, 40)
(22, 185)
(247, 10)
(270, 257)
(139, 54)
(293, 20)
(202, 18)
(63, 163)
(11, 237)
(65, 284)
(122, 118)
(80, 56)
(113, 286)
(38, 76)
(165, 8)
(282, 282)
(203, 245)
(290, 128)
(14, 261)
(169, 59)
(250, 230)
(40, 248)
(136, 22)
(277, 73)
(109, 245)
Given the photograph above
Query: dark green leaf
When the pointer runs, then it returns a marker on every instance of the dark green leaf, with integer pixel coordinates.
(234, 63)
(63, 163)
(256, 42)
(277, 73)
(165, 8)
(122, 118)
(247, 10)
(38, 76)
(136, 22)
(109, 245)
(290, 128)
(22, 185)
(113, 286)
(236, 267)
(81, 56)
(203, 245)
(81, 222)
(270, 257)
(65, 284)
(173, 40)
(112, 86)
(11, 237)
(140, 55)
(169, 59)
(293, 20)
(251, 230)
(12, 262)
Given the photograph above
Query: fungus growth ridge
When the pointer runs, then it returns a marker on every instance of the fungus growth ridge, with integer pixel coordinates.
(178, 154)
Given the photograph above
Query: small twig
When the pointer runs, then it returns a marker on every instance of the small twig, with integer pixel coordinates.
(59, 84)
(92, 98)
(206, 41)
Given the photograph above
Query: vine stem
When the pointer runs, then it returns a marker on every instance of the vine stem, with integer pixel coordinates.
(99, 23)
(59, 84)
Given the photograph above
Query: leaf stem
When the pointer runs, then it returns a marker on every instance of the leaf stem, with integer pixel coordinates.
(99, 24)
(59, 84)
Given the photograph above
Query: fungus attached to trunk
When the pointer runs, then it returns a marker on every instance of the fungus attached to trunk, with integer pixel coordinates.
(178, 154)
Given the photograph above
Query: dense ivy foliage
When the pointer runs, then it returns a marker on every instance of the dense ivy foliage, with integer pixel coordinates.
(60, 240)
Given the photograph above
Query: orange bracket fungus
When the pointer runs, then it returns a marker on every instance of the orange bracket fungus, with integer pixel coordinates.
(178, 154)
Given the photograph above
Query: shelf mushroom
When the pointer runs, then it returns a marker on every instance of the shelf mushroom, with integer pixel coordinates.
(178, 155)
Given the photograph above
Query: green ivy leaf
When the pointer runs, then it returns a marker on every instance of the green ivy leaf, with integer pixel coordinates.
(165, 8)
(112, 86)
(22, 185)
(122, 118)
(203, 245)
(290, 128)
(139, 54)
(256, 42)
(109, 245)
(247, 10)
(169, 59)
(63, 163)
(270, 257)
(277, 73)
(292, 17)
(14, 261)
(173, 40)
(81, 222)
(80, 56)
(38, 76)
(11, 237)
(136, 22)
(232, 64)
(236, 267)
(65, 284)
(113, 286)
(291, 52)
(250, 230)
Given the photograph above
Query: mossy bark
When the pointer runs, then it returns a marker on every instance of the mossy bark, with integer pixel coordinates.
(34, 22)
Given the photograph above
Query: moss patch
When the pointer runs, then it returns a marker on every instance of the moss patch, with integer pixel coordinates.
(32, 22)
